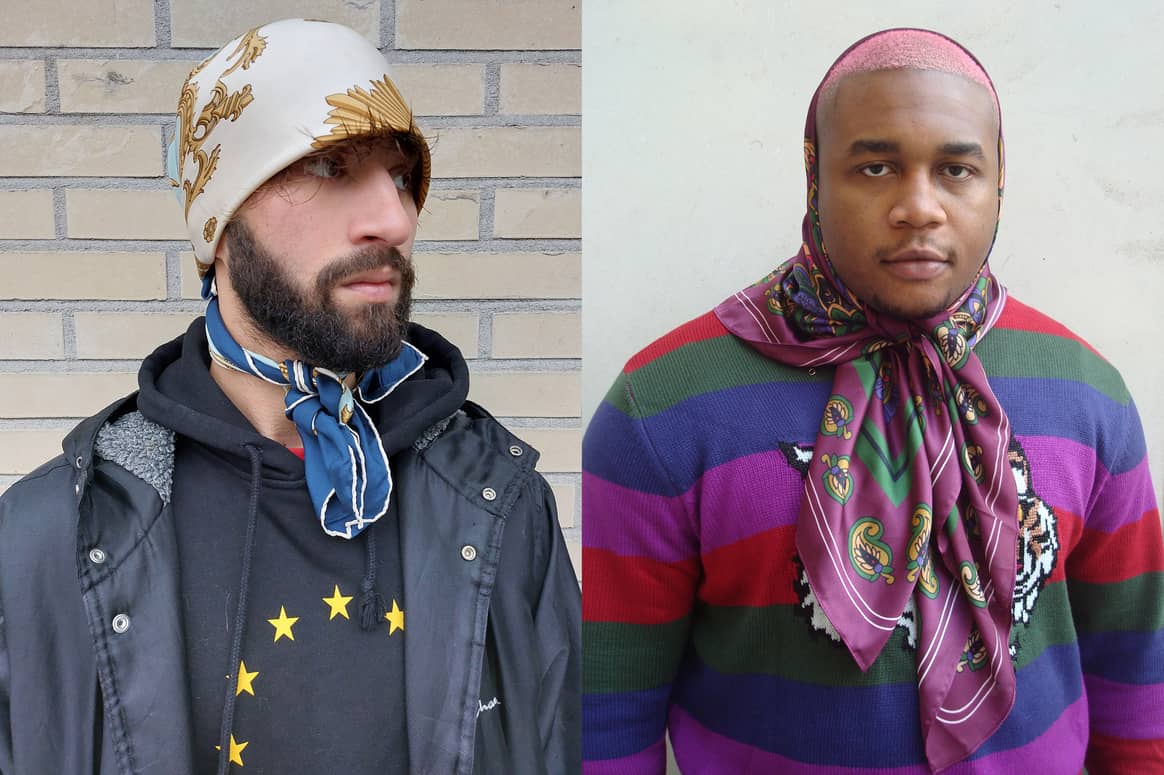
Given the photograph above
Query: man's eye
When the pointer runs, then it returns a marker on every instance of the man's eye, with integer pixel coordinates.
(403, 180)
(959, 171)
(875, 170)
(322, 167)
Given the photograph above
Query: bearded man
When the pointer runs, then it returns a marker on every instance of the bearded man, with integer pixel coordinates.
(297, 548)
(803, 509)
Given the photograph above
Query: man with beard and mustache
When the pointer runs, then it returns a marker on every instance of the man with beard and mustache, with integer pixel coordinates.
(298, 547)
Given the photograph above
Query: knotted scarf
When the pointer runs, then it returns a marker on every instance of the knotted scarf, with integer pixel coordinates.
(347, 470)
(909, 493)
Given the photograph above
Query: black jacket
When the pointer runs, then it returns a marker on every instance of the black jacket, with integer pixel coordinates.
(91, 651)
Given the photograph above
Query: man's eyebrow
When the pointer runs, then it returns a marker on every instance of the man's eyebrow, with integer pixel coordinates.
(873, 146)
(963, 149)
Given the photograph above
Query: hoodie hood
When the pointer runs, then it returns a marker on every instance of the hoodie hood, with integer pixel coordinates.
(177, 392)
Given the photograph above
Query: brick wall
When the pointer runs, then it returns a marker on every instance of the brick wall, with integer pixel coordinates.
(94, 268)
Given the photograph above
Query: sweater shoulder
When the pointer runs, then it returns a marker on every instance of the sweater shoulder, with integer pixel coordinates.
(693, 361)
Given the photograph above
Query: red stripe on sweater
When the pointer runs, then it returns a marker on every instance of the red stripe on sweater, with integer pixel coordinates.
(635, 590)
(756, 571)
(706, 326)
(1115, 754)
(1107, 558)
(1016, 315)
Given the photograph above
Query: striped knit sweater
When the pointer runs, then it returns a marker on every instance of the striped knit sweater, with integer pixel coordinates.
(697, 621)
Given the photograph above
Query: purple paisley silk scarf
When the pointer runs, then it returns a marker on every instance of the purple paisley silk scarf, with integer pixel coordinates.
(909, 492)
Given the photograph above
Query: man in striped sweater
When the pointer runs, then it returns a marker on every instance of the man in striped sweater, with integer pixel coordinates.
(871, 515)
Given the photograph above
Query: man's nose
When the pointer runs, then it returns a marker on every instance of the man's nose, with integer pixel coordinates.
(919, 202)
(382, 212)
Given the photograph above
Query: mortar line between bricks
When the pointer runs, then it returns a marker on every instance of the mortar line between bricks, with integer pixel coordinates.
(387, 25)
(492, 89)
(69, 334)
(392, 55)
(60, 214)
(20, 183)
(52, 86)
(173, 276)
(185, 306)
(162, 24)
(122, 245)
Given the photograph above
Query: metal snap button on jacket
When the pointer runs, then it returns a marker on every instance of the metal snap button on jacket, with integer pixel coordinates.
(515, 451)
(120, 623)
(97, 556)
(468, 552)
(489, 494)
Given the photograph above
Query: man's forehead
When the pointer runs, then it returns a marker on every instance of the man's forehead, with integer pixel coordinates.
(862, 103)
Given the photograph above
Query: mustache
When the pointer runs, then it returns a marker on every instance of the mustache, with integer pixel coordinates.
(881, 254)
(364, 260)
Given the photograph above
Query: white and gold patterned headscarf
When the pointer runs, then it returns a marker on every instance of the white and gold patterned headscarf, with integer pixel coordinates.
(268, 98)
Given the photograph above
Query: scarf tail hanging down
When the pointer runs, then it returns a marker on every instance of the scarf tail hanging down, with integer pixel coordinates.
(348, 477)
(909, 493)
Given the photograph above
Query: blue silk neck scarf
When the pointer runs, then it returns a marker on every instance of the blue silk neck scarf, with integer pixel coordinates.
(347, 468)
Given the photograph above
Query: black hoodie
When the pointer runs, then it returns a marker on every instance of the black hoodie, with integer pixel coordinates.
(316, 691)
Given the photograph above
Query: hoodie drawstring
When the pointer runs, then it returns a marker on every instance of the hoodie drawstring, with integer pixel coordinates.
(224, 733)
(372, 606)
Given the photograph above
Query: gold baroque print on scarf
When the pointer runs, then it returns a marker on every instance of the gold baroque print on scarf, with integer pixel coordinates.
(223, 105)
(358, 112)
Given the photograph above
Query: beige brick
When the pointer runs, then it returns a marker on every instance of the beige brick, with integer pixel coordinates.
(489, 24)
(126, 335)
(574, 549)
(23, 450)
(95, 23)
(450, 215)
(528, 394)
(120, 85)
(504, 152)
(560, 448)
(212, 23)
(78, 275)
(564, 497)
(33, 335)
(26, 214)
(21, 86)
(529, 213)
(537, 335)
(85, 151)
(63, 394)
(191, 282)
(541, 88)
(459, 328)
(112, 214)
(498, 276)
(441, 90)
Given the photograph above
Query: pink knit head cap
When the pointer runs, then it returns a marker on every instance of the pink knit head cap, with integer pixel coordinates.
(908, 49)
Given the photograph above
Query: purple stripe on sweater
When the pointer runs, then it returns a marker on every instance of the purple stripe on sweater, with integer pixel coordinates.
(654, 526)
(1125, 710)
(1060, 749)
(648, 760)
(1068, 475)
(746, 496)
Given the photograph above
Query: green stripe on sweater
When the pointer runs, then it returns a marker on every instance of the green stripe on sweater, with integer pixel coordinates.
(702, 367)
(1129, 605)
(1012, 353)
(622, 657)
(778, 640)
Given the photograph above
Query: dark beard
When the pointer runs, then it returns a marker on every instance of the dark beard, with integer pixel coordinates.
(309, 323)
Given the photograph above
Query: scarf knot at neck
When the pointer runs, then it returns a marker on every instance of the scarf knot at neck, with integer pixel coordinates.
(346, 466)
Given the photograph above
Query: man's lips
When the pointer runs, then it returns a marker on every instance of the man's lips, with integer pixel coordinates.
(375, 285)
(916, 264)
